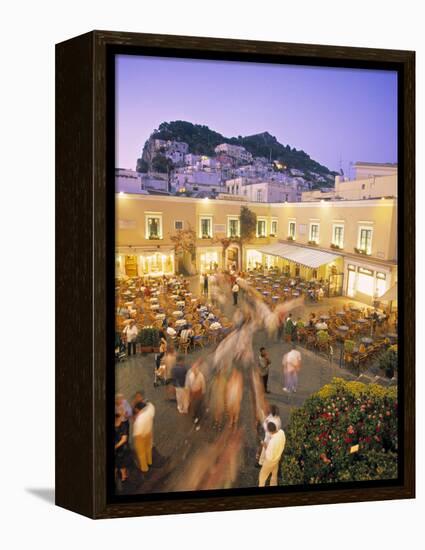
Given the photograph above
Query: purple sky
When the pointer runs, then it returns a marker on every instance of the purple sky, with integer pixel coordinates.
(330, 113)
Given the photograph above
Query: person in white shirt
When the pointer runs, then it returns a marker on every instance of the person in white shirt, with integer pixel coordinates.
(272, 454)
(131, 331)
(291, 363)
(171, 331)
(143, 433)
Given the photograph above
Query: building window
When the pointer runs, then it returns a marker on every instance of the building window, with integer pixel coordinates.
(338, 236)
(259, 195)
(365, 240)
(261, 228)
(233, 227)
(273, 229)
(314, 232)
(154, 226)
(291, 230)
(178, 225)
(205, 228)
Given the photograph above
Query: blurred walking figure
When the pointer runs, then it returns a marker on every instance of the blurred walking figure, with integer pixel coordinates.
(217, 397)
(195, 384)
(291, 363)
(178, 374)
(234, 396)
(264, 367)
(143, 433)
(272, 453)
(235, 292)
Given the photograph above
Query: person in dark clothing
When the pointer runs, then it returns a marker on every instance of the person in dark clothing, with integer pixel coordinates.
(264, 367)
(122, 451)
(206, 284)
(235, 292)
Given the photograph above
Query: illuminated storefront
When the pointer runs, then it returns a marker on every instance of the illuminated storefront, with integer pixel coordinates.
(140, 263)
(209, 259)
(366, 282)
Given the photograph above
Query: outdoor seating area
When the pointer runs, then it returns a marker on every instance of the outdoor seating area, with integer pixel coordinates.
(277, 287)
(354, 335)
(167, 305)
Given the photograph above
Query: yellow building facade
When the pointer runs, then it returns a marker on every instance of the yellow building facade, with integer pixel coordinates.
(350, 244)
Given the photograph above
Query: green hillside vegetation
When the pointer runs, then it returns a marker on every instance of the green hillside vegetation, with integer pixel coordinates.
(202, 141)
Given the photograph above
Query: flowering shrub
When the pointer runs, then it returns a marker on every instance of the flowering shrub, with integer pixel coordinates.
(345, 432)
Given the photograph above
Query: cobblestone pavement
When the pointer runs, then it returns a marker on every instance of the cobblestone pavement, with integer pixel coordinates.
(175, 435)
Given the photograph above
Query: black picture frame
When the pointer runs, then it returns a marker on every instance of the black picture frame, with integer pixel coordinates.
(85, 260)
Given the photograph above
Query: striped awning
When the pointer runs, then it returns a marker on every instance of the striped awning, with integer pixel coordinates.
(299, 254)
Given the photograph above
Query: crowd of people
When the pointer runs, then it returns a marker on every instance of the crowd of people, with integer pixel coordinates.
(210, 390)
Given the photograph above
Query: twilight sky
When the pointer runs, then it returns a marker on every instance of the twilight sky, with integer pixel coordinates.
(330, 113)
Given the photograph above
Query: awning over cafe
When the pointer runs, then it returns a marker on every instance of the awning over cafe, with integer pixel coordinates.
(301, 255)
(390, 295)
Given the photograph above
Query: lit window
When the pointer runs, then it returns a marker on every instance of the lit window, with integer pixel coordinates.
(233, 227)
(338, 236)
(273, 228)
(291, 229)
(365, 240)
(205, 228)
(178, 225)
(154, 226)
(261, 228)
(314, 232)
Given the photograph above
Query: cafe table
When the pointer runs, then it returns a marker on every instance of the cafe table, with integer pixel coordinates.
(160, 316)
(180, 322)
(340, 313)
(366, 340)
(154, 307)
(343, 328)
(178, 313)
(180, 303)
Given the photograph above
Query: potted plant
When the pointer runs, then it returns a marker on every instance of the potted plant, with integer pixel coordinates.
(312, 243)
(336, 246)
(148, 339)
(361, 251)
(289, 238)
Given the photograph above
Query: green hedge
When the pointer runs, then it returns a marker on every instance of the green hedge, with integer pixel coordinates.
(323, 434)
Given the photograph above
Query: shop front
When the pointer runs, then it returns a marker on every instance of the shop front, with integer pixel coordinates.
(367, 282)
(208, 259)
(144, 262)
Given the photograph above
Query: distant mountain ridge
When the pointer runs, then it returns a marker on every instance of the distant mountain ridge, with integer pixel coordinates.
(202, 141)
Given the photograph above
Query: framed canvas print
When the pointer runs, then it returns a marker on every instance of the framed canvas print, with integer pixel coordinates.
(235, 274)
